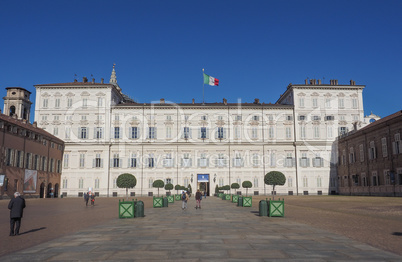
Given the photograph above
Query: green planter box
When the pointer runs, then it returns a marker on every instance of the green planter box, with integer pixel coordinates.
(235, 198)
(170, 199)
(276, 208)
(177, 197)
(220, 195)
(223, 197)
(158, 201)
(227, 197)
(247, 201)
(126, 209)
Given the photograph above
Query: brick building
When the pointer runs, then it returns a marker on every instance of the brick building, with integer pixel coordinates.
(370, 159)
(30, 157)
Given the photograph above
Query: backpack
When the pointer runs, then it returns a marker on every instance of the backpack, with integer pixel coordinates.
(183, 196)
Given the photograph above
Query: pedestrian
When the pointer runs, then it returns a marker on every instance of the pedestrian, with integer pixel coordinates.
(205, 194)
(198, 197)
(16, 206)
(184, 199)
(86, 198)
(92, 199)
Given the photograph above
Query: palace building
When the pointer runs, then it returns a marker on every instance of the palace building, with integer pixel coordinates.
(199, 144)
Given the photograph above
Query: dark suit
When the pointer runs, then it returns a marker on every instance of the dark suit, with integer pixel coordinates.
(16, 207)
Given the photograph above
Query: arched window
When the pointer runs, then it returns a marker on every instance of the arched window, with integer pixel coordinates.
(12, 110)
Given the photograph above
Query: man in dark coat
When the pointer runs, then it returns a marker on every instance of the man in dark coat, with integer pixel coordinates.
(16, 206)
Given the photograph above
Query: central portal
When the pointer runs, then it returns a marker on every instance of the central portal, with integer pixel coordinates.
(203, 183)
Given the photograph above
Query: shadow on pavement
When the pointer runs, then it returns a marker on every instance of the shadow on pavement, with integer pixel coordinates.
(397, 233)
(32, 230)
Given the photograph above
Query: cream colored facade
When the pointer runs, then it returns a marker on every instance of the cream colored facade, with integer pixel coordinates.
(107, 134)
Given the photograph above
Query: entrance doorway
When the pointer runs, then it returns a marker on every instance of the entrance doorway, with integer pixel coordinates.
(203, 184)
(42, 190)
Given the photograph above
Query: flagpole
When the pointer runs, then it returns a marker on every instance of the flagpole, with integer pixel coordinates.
(203, 86)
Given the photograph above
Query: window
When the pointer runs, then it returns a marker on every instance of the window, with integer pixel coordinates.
(288, 133)
(168, 161)
(117, 132)
(316, 131)
(328, 102)
(352, 158)
(315, 118)
(237, 132)
(220, 133)
(204, 117)
(83, 132)
(69, 102)
(254, 133)
(330, 132)
(290, 182)
(150, 183)
(133, 161)
(134, 132)
(318, 161)
(302, 132)
(55, 131)
(238, 117)
(272, 159)
(305, 181)
(28, 159)
(186, 133)
(315, 102)
(97, 183)
(65, 183)
(256, 118)
(271, 133)
(116, 117)
(84, 102)
(82, 160)
(67, 133)
(289, 160)
(319, 182)
(100, 101)
(221, 161)
(116, 160)
(98, 161)
(238, 161)
(301, 102)
(341, 103)
(397, 145)
(203, 133)
(289, 117)
(169, 118)
(329, 118)
(98, 132)
(354, 102)
(45, 103)
(304, 161)
(343, 130)
(302, 118)
(372, 151)
(151, 162)
(36, 162)
(44, 164)
(44, 117)
(256, 160)
(203, 160)
(375, 179)
(361, 152)
(152, 132)
(186, 160)
(81, 183)
(384, 147)
(57, 103)
(168, 132)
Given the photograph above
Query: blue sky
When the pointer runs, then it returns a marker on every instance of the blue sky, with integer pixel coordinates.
(255, 48)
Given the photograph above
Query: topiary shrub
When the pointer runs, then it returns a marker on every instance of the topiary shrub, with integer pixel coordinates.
(158, 184)
(169, 187)
(235, 186)
(274, 178)
(126, 181)
(246, 185)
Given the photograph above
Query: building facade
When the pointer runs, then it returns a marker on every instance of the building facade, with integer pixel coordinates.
(370, 159)
(30, 157)
(198, 144)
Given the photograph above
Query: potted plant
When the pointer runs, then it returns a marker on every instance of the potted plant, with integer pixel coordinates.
(274, 178)
(126, 181)
(247, 201)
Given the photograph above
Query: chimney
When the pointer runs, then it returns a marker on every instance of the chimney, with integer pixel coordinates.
(193, 101)
(256, 101)
(352, 83)
(102, 80)
(93, 80)
(306, 81)
(75, 81)
(84, 79)
(35, 124)
(336, 81)
(162, 101)
(319, 81)
(225, 102)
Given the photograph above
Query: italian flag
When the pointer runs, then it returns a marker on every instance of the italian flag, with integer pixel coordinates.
(209, 80)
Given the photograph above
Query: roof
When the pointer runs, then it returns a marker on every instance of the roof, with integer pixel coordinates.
(83, 84)
(17, 87)
(29, 126)
(380, 121)
(206, 105)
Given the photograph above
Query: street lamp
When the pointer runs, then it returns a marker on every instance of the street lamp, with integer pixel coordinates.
(214, 178)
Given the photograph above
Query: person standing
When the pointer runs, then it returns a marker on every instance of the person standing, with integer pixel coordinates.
(184, 199)
(92, 199)
(86, 198)
(198, 197)
(16, 206)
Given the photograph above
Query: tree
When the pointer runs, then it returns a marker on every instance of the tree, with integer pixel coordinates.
(226, 187)
(274, 178)
(246, 185)
(235, 186)
(216, 189)
(177, 188)
(126, 181)
(169, 187)
(159, 184)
